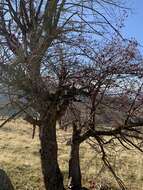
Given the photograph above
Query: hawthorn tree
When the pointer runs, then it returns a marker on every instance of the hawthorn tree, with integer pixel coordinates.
(111, 108)
(36, 75)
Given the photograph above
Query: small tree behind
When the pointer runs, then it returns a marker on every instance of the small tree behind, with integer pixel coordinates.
(110, 110)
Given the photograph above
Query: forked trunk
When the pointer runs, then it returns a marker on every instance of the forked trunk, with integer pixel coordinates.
(53, 178)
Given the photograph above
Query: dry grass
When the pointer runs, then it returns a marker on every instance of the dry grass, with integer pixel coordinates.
(19, 156)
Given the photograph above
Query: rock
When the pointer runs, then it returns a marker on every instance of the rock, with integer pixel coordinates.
(5, 182)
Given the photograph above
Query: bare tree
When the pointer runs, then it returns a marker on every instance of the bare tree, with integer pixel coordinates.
(34, 76)
(111, 107)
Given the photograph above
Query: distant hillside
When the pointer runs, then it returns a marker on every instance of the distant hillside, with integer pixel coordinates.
(5, 108)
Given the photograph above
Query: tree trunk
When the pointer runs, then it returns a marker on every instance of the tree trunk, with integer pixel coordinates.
(74, 168)
(53, 178)
(74, 163)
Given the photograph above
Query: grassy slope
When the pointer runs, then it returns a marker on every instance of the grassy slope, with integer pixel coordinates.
(19, 156)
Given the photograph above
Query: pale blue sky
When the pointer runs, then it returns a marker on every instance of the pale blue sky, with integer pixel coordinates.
(134, 22)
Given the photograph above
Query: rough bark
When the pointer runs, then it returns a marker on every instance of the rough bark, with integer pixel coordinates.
(53, 178)
(74, 163)
(74, 168)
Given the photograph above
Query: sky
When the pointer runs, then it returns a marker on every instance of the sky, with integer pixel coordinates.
(134, 22)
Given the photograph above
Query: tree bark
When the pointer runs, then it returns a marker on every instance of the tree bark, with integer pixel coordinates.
(53, 178)
(74, 162)
(74, 168)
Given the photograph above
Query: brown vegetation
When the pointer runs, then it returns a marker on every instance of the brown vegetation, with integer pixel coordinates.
(19, 157)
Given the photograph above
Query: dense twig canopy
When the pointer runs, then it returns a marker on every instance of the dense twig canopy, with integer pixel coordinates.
(51, 55)
(44, 46)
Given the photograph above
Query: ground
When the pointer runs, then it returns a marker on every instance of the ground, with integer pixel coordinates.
(19, 157)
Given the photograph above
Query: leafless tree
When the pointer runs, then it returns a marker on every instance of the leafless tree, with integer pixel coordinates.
(34, 35)
(111, 108)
